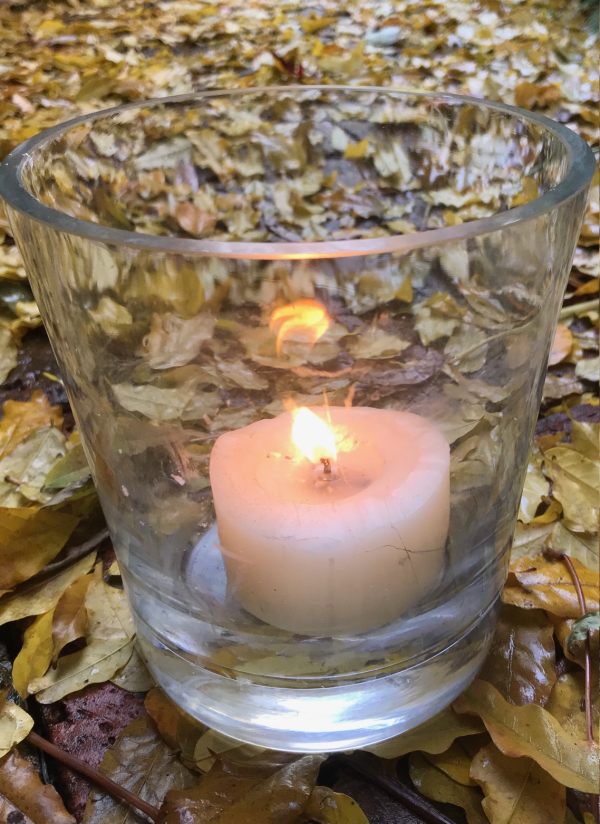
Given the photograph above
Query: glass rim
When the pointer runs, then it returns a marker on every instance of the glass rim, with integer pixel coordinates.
(579, 172)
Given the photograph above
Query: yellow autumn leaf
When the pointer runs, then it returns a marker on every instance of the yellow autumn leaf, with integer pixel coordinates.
(43, 596)
(325, 806)
(438, 786)
(29, 538)
(532, 732)
(356, 151)
(517, 790)
(21, 418)
(15, 725)
(22, 786)
(538, 583)
(70, 615)
(36, 653)
(109, 645)
(433, 736)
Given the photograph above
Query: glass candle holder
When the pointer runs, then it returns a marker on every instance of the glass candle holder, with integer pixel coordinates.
(304, 332)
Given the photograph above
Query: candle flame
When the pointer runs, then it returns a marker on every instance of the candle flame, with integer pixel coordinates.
(305, 317)
(312, 436)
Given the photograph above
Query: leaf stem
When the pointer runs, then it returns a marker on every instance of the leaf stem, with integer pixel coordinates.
(94, 775)
(562, 556)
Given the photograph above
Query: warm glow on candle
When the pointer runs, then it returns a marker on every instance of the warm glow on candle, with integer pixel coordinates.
(312, 436)
(306, 318)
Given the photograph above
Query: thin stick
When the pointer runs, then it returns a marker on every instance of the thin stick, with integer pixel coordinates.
(561, 556)
(576, 308)
(95, 776)
(395, 789)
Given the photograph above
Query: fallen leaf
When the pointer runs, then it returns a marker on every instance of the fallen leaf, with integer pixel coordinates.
(36, 653)
(328, 807)
(535, 488)
(9, 352)
(517, 790)
(20, 419)
(15, 725)
(134, 676)
(23, 472)
(179, 730)
(356, 151)
(246, 794)
(532, 732)
(435, 784)
(175, 341)
(22, 786)
(194, 220)
(433, 736)
(376, 343)
(39, 533)
(34, 600)
(141, 762)
(567, 704)
(531, 95)
(109, 645)
(588, 369)
(543, 584)
(70, 615)
(521, 660)
(561, 344)
(456, 761)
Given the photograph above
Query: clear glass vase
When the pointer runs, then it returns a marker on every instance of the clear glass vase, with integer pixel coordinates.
(304, 332)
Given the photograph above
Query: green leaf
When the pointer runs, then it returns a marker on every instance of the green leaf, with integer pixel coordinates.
(532, 732)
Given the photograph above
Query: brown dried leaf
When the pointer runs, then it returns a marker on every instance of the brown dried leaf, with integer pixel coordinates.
(328, 807)
(433, 736)
(20, 419)
(141, 762)
(246, 794)
(561, 345)
(22, 787)
(517, 790)
(539, 584)
(70, 615)
(521, 660)
(435, 784)
(532, 732)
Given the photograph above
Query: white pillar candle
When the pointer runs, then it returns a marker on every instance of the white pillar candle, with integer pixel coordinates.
(341, 534)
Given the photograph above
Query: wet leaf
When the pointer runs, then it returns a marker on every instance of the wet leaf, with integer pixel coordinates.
(23, 472)
(15, 725)
(20, 419)
(141, 762)
(433, 736)
(521, 660)
(542, 584)
(39, 533)
(36, 653)
(246, 794)
(567, 705)
(328, 807)
(532, 732)
(22, 787)
(109, 645)
(70, 616)
(517, 790)
(435, 784)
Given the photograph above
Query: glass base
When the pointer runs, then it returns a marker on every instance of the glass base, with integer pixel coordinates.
(323, 718)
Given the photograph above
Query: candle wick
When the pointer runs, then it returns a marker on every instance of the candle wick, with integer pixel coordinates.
(326, 466)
